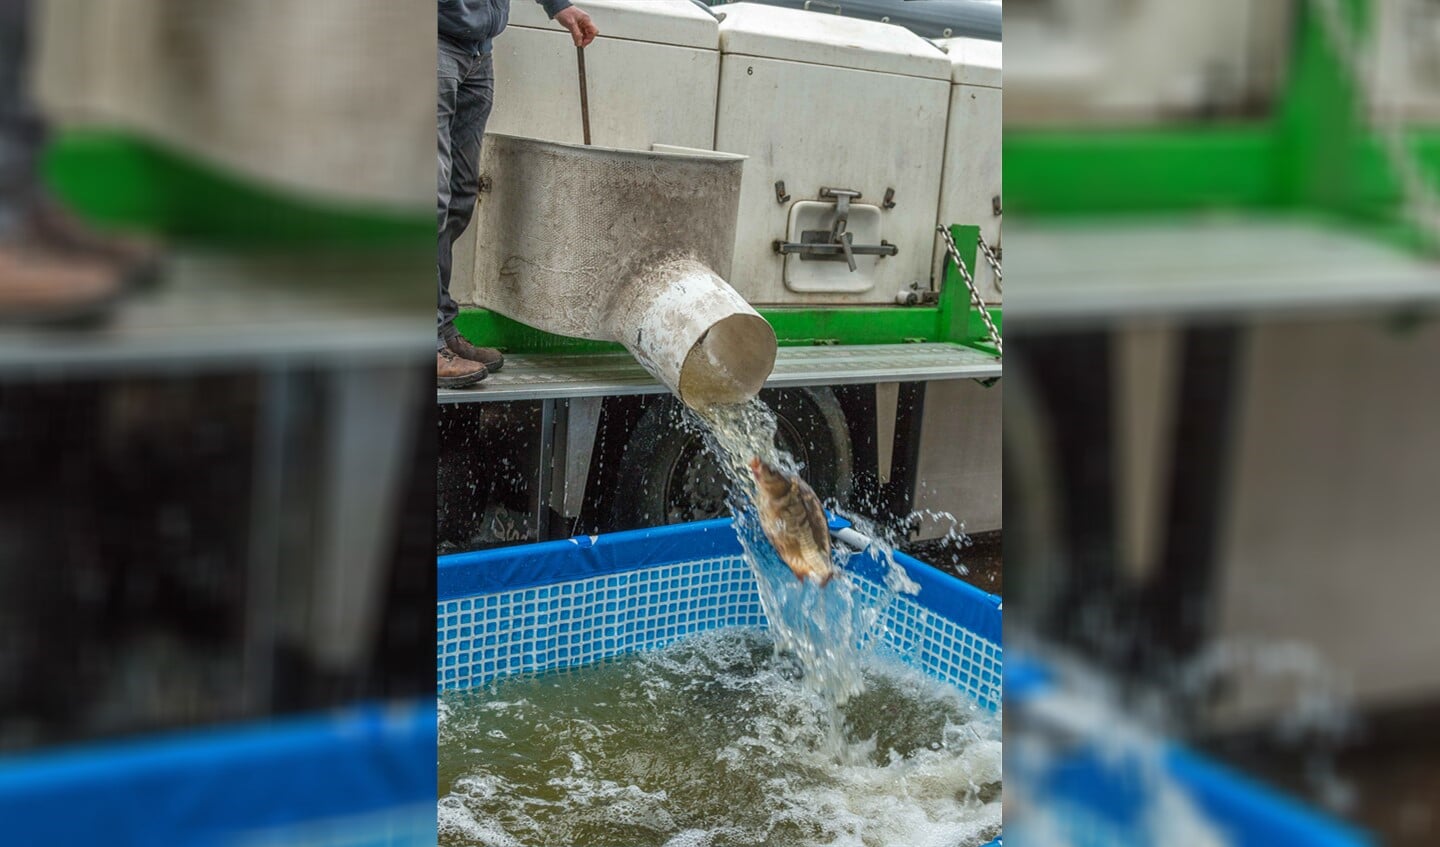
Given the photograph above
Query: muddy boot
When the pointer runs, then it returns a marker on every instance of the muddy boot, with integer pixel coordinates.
(451, 371)
(40, 286)
(487, 356)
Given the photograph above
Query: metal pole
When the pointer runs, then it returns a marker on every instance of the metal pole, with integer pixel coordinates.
(274, 432)
(584, 95)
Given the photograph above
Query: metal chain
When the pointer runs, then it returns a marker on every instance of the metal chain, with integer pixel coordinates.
(994, 262)
(975, 299)
(1423, 200)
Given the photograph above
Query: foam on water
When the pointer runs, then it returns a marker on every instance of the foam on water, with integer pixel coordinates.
(715, 741)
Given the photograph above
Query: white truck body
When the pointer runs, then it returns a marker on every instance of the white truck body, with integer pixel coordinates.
(814, 101)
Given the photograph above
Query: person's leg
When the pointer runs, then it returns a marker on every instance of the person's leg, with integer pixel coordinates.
(474, 98)
(450, 370)
(474, 95)
(52, 268)
(451, 66)
(21, 132)
(473, 102)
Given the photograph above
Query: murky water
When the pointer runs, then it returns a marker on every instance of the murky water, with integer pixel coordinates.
(715, 742)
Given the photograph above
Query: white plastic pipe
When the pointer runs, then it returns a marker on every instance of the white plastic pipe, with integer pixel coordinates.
(694, 333)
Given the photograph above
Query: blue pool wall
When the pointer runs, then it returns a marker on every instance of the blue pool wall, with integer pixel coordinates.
(362, 776)
(564, 603)
(1103, 795)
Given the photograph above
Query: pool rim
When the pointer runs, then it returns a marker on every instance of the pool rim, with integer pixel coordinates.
(461, 575)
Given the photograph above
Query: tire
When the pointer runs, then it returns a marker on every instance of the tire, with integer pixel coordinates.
(668, 476)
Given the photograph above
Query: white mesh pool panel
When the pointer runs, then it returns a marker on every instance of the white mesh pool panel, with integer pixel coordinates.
(938, 646)
(529, 630)
(585, 620)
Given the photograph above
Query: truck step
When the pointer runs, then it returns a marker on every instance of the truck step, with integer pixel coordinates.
(1194, 267)
(552, 377)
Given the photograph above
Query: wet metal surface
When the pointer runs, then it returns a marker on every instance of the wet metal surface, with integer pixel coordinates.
(610, 374)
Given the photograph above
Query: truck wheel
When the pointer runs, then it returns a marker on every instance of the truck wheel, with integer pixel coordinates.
(668, 476)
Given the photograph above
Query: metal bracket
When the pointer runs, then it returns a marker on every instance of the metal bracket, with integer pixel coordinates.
(887, 407)
(780, 195)
(841, 196)
(828, 250)
(917, 296)
(889, 201)
(575, 425)
(837, 244)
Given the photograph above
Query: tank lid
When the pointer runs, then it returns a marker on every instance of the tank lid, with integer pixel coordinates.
(769, 32)
(678, 23)
(974, 61)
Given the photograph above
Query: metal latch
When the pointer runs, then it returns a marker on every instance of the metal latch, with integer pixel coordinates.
(836, 244)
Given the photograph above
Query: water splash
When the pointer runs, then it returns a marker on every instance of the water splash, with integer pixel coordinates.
(826, 629)
(613, 753)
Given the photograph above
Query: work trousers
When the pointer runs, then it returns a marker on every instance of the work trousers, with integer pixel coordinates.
(467, 89)
(21, 131)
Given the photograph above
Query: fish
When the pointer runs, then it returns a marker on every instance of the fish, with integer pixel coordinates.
(794, 521)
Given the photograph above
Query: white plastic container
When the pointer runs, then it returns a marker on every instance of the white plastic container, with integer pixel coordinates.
(970, 192)
(823, 101)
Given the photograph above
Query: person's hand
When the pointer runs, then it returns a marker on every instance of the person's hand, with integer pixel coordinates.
(581, 28)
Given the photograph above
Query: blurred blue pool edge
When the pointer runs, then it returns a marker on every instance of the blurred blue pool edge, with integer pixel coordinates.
(1247, 812)
(366, 774)
(363, 775)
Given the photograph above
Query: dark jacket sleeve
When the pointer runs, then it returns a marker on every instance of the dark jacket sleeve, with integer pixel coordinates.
(554, 7)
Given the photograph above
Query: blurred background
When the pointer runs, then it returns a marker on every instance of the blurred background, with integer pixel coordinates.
(216, 469)
(1221, 417)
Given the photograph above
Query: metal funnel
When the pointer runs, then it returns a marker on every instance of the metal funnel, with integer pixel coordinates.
(627, 246)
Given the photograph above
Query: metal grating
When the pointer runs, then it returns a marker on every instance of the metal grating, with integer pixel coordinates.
(542, 377)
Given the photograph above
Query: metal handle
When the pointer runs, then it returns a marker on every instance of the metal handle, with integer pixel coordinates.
(584, 95)
(845, 248)
(838, 243)
(832, 250)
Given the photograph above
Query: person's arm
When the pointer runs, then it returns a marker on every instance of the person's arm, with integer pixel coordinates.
(581, 28)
